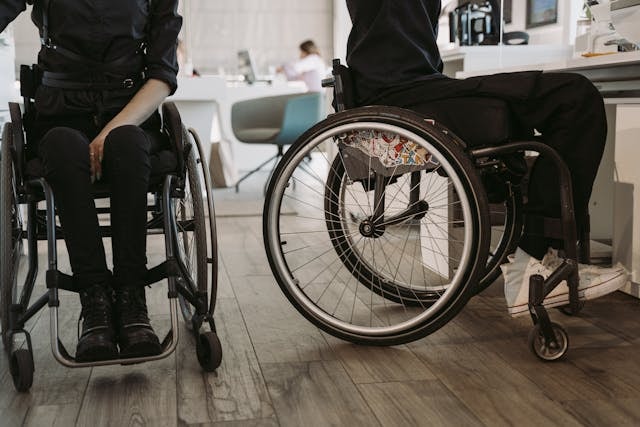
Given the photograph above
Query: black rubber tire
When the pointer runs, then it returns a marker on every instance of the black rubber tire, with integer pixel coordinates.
(508, 241)
(209, 351)
(211, 217)
(10, 225)
(538, 346)
(192, 214)
(451, 149)
(21, 368)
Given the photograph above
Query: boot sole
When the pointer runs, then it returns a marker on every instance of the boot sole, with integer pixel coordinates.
(141, 349)
(97, 354)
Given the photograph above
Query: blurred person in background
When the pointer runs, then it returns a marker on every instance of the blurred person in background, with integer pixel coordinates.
(310, 67)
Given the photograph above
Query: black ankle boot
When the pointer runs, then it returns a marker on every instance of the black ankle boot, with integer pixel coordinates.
(135, 335)
(98, 338)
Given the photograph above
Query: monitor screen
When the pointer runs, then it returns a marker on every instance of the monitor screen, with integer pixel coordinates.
(245, 66)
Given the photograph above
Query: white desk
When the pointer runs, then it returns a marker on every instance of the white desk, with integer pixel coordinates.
(477, 58)
(614, 205)
(205, 104)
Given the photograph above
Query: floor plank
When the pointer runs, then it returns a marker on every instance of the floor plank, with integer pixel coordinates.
(236, 391)
(278, 332)
(315, 394)
(414, 403)
(132, 395)
(52, 415)
(53, 384)
(616, 412)
(366, 364)
(268, 422)
(280, 370)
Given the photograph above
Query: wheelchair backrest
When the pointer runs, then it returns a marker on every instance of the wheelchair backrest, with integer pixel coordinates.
(343, 89)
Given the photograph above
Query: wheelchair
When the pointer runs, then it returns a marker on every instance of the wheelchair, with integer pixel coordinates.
(178, 209)
(378, 225)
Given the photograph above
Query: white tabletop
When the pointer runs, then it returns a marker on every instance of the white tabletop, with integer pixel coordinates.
(616, 60)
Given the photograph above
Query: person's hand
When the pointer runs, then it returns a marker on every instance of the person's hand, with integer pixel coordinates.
(96, 150)
(145, 102)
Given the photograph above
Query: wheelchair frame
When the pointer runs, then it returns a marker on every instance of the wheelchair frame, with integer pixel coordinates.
(548, 340)
(181, 282)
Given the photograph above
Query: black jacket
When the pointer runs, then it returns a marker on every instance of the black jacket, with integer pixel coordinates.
(103, 32)
(394, 58)
(392, 42)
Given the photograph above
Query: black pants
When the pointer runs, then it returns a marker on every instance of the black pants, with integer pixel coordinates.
(565, 108)
(64, 152)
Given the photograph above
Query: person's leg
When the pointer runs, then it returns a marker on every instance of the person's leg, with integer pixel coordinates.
(65, 157)
(127, 169)
(569, 113)
(565, 108)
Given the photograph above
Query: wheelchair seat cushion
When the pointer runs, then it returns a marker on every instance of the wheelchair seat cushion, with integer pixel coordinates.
(477, 121)
(162, 163)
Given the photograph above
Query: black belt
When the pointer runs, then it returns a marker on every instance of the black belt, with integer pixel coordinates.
(79, 81)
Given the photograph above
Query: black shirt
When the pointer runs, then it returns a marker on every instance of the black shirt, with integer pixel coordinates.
(103, 31)
(392, 42)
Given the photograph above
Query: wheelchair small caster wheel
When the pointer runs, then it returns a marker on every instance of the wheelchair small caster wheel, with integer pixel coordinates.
(21, 368)
(549, 351)
(568, 311)
(209, 351)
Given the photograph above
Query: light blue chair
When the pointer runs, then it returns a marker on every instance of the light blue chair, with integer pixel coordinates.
(276, 120)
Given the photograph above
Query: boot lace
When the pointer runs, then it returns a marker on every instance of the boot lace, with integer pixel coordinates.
(96, 309)
(132, 307)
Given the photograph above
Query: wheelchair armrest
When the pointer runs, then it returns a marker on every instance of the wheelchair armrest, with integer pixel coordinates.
(173, 128)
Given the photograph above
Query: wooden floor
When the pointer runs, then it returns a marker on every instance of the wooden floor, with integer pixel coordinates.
(279, 370)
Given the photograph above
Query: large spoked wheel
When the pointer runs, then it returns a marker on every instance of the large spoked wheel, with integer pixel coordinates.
(375, 225)
(506, 229)
(12, 233)
(193, 238)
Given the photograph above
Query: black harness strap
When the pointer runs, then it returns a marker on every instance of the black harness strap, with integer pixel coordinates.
(46, 41)
(79, 81)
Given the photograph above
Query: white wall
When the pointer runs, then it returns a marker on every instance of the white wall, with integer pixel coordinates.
(274, 28)
(217, 29)
(271, 29)
(26, 38)
(7, 75)
(562, 32)
(341, 29)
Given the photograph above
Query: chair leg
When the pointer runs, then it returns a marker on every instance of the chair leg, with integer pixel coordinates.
(277, 158)
(248, 174)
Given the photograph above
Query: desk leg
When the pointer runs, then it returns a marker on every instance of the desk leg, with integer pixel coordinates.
(626, 219)
(601, 202)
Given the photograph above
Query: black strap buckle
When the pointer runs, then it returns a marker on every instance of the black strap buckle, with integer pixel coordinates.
(127, 83)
